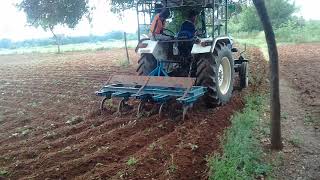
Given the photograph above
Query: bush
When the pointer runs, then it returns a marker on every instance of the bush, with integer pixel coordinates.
(294, 32)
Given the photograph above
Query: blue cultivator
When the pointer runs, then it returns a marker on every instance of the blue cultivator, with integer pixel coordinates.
(155, 89)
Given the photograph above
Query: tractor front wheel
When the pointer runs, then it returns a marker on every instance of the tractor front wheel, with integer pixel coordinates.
(216, 72)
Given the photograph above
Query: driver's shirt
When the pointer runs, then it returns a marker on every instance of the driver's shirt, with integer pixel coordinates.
(157, 25)
(187, 29)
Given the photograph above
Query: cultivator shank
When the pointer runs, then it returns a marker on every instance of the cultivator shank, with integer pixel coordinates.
(155, 89)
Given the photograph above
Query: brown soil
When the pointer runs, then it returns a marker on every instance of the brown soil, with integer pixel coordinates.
(41, 93)
(300, 103)
(300, 65)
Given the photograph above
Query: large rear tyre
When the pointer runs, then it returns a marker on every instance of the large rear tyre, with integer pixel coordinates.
(216, 72)
(146, 64)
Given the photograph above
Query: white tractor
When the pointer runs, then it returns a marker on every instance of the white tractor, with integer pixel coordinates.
(210, 59)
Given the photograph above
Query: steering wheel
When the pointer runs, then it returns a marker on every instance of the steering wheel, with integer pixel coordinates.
(170, 33)
(200, 33)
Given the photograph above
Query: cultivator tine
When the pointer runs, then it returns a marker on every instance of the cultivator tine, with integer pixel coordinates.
(103, 102)
(141, 108)
(122, 104)
(184, 112)
(161, 110)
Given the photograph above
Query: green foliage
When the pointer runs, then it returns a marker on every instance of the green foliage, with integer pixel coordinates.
(296, 140)
(296, 32)
(132, 161)
(249, 20)
(172, 169)
(280, 11)
(48, 14)
(179, 16)
(242, 153)
(3, 173)
(117, 6)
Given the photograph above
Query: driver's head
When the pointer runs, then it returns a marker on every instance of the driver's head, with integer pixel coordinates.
(164, 14)
(192, 16)
(158, 7)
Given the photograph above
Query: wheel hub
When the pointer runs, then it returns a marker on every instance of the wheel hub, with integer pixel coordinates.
(220, 75)
(224, 75)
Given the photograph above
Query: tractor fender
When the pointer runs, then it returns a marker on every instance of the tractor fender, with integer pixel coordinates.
(200, 48)
(227, 40)
(146, 46)
(197, 48)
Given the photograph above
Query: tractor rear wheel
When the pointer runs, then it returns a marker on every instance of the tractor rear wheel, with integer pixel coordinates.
(146, 64)
(216, 72)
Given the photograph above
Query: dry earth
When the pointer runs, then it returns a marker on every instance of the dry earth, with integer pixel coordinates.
(50, 125)
(300, 101)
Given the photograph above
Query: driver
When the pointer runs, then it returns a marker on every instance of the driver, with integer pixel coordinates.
(188, 32)
(157, 26)
(188, 28)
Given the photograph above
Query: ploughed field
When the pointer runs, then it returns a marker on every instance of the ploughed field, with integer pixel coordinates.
(300, 65)
(51, 126)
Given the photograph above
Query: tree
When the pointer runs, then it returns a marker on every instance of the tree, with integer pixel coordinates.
(118, 6)
(280, 11)
(276, 142)
(50, 13)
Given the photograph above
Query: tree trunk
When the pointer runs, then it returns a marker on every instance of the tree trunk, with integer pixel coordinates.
(56, 39)
(276, 142)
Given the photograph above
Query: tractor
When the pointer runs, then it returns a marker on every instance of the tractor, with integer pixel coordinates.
(182, 68)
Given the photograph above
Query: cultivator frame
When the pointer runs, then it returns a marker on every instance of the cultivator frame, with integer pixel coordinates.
(155, 89)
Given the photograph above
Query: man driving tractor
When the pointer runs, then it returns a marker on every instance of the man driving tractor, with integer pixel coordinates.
(187, 32)
(188, 28)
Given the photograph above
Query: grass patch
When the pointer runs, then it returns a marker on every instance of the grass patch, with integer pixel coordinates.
(3, 173)
(132, 161)
(124, 63)
(172, 168)
(256, 39)
(242, 156)
(288, 33)
(295, 140)
(309, 119)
